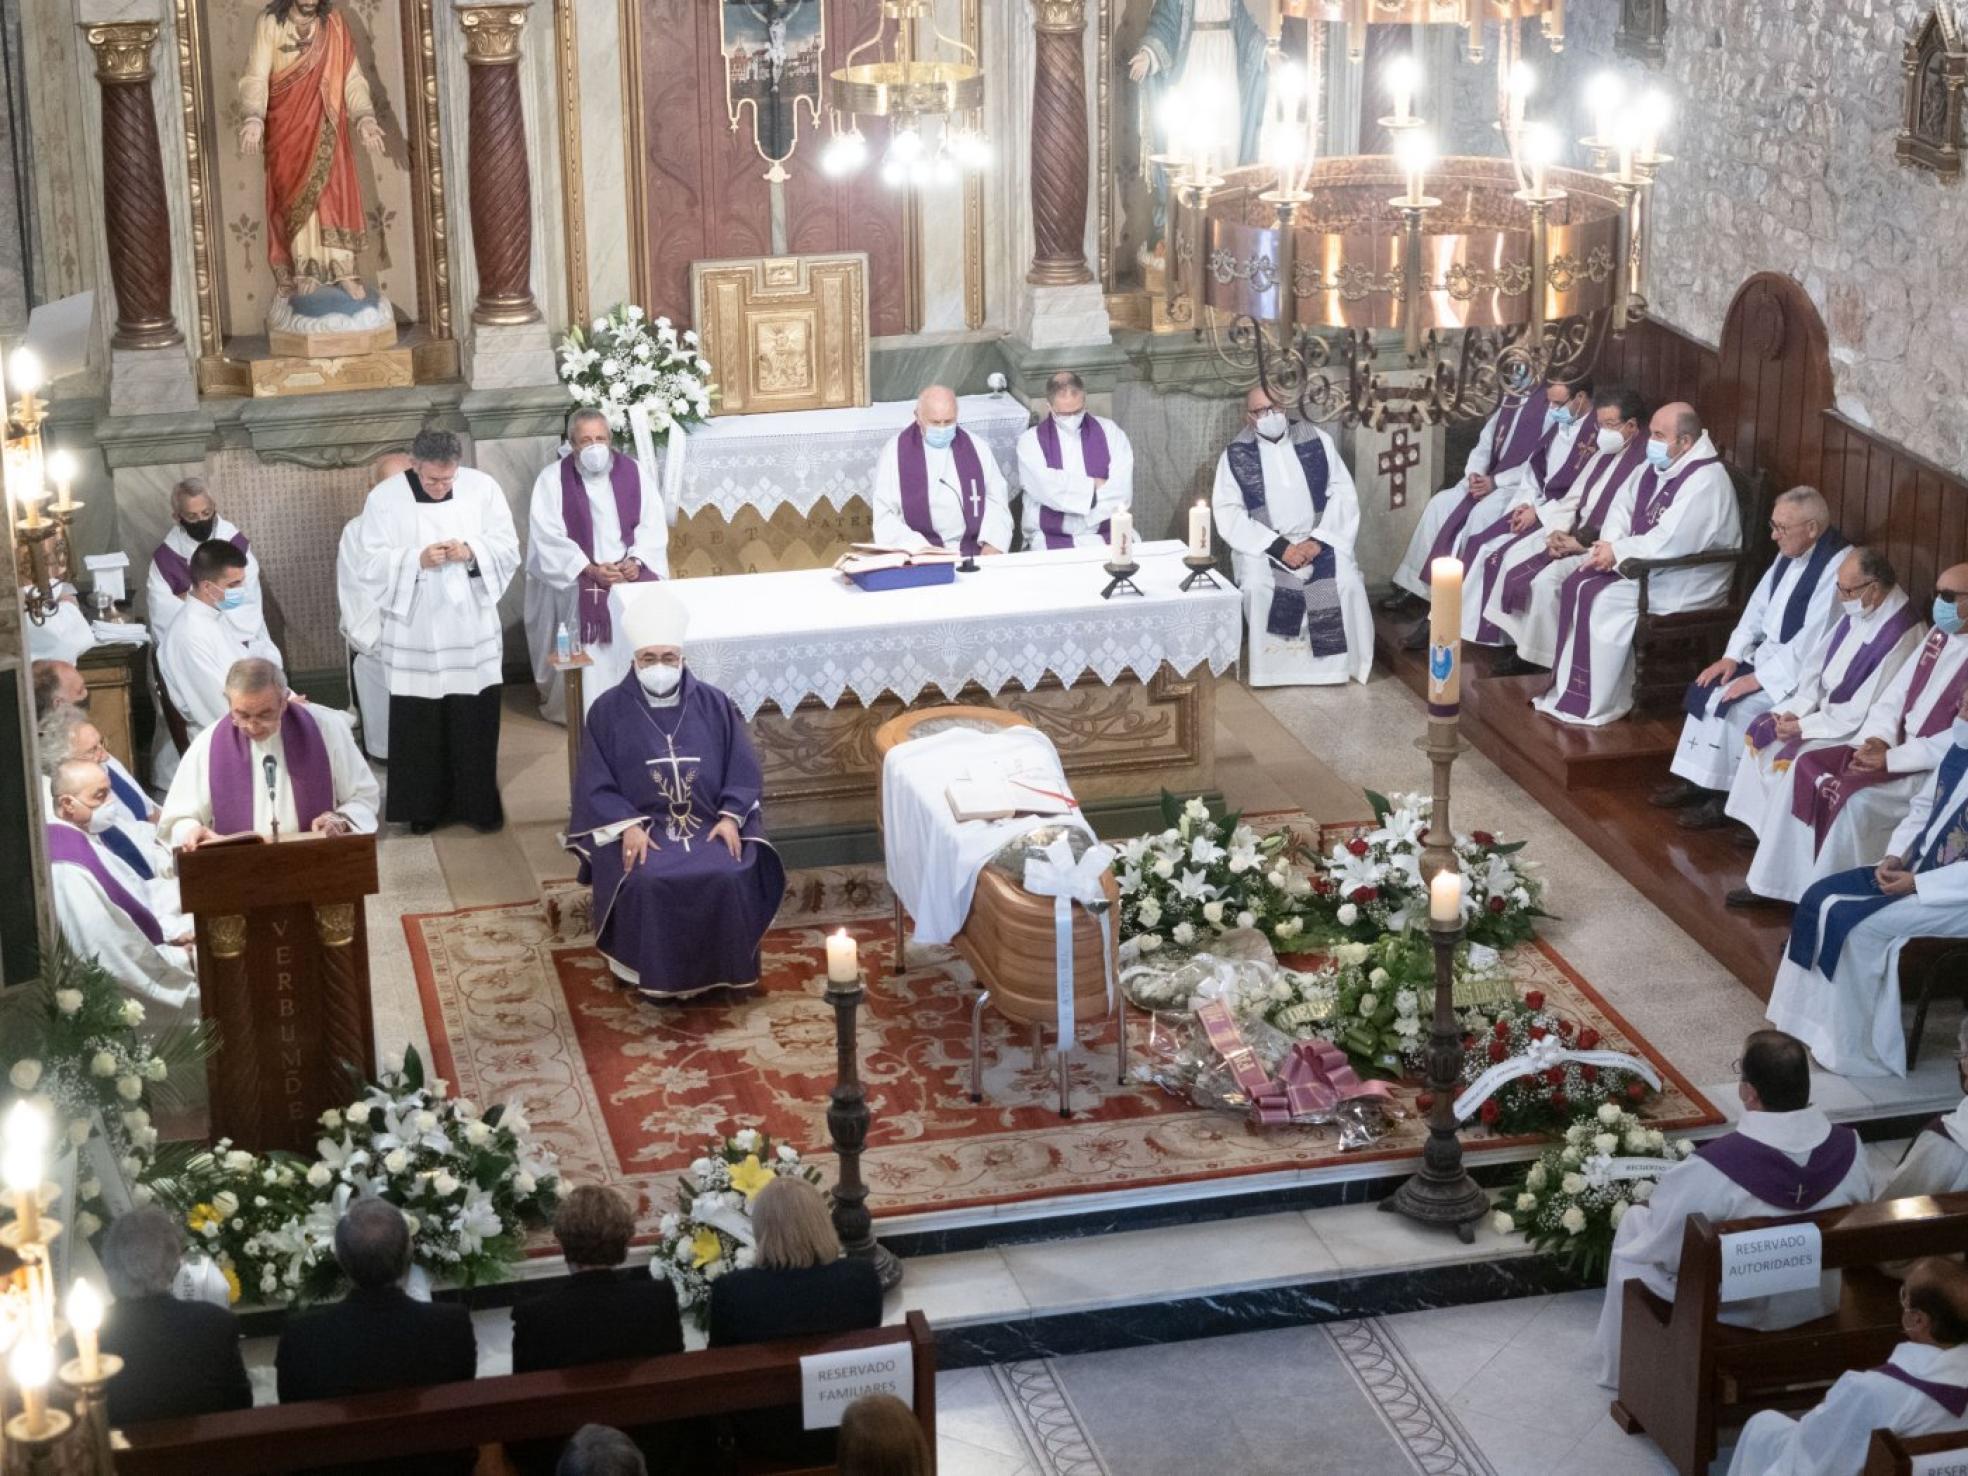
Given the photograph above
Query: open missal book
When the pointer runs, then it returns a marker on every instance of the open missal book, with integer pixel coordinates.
(866, 558)
(1002, 796)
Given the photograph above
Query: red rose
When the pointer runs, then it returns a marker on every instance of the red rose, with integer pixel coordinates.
(1469, 1042)
(1363, 895)
(1324, 887)
(1538, 1032)
(1357, 846)
(1497, 904)
(1588, 1038)
(1497, 1050)
(1490, 1113)
(1589, 1073)
(1424, 1101)
(1483, 838)
(1559, 1101)
(1565, 1029)
(1535, 999)
(1502, 1030)
(1555, 1076)
(1636, 1091)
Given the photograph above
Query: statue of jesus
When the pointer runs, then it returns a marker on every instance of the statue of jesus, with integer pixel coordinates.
(302, 90)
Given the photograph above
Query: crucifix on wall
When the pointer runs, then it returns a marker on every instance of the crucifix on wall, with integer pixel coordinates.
(772, 52)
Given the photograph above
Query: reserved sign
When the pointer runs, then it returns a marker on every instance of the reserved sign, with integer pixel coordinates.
(1939, 1463)
(830, 1382)
(1761, 1263)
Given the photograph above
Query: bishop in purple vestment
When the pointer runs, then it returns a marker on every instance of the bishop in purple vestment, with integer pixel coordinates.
(667, 822)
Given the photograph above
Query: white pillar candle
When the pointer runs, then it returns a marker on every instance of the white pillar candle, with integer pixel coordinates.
(843, 959)
(85, 1315)
(1120, 538)
(1444, 635)
(1199, 529)
(1445, 897)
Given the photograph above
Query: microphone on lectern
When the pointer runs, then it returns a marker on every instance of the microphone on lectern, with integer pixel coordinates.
(272, 770)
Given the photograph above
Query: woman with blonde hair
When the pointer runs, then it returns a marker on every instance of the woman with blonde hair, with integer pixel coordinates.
(880, 1436)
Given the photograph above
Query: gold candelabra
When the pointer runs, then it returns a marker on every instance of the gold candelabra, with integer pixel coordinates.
(43, 552)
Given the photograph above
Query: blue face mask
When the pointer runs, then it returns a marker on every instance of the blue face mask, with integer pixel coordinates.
(1657, 456)
(1558, 415)
(1946, 616)
(940, 436)
(232, 599)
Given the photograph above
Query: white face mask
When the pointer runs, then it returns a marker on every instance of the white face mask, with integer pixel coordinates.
(1854, 608)
(1069, 422)
(594, 459)
(1272, 425)
(659, 680)
(1610, 441)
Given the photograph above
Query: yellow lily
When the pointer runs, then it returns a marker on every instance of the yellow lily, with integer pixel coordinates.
(751, 1176)
(705, 1247)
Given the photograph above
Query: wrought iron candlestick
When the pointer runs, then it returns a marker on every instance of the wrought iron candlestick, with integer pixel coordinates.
(1199, 566)
(847, 1125)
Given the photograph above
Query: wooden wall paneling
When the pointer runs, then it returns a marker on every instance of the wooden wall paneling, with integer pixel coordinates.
(1953, 546)
(1879, 496)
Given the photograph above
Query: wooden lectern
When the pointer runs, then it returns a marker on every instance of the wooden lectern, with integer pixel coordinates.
(283, 971)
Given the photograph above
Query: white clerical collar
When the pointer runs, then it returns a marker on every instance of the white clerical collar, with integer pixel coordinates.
(1787, 1132)
(1924, 1361)
(1955, 1124)
(670, 701)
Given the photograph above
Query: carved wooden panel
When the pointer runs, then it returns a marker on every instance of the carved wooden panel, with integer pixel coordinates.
(785, 332)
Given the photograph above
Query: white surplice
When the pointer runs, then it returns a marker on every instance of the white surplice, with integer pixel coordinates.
(1408, 574)
(358, 797)
(440, 633)
(1288, 514)
(361, 622)
(1647, 1244)
(1788, 857)
(946, 512)
(1851, 1021)
(161, 976)
(1702, 517)
(161, 607)
(193, 659)
(554, 562)
(1534, 630)
(1711, 746)
(1935, 1163)
(1831, 1440)
(1069, 491)
(1558, 513)
(1760, 792)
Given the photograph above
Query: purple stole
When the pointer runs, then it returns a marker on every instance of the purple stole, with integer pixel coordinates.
(1526, 437)
(912, 468)
(177, 568)
(232, 778)
(1696, 702)
(1314, 604)
(1763, 731)
(1607, 479)
(1949, 1397)
(68, 846)
(1094, 455)
(1548, 491)
(1583, 587)
(1822, 780)
(1773, 1177)
(578, 518)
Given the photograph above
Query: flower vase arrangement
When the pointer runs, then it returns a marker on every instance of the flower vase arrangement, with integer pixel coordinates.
(1200, 877)
(710, 1230)
(624, 360)
(1572, 1198)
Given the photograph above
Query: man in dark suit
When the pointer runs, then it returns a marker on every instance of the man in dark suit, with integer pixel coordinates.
(179, 1358)
(378, 1337)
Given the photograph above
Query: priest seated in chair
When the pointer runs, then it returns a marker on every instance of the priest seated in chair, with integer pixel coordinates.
(666, 818)
(1936, 1161)
(273, 764)
(938, 486)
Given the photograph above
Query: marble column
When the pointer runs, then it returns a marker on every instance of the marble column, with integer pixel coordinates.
(137, 222)
(501, 184)
(1063, 305)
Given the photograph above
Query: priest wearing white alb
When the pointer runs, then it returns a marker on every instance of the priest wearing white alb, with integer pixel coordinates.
(1075, 471)
(1858, 657)
(125, 826)
(596, 520)
(938, 486)
(1285, 504)
(1763, 663)
(435, 551)
(194, 520)
(1683, 504)
(1936, 1161)
(1838, 987)
(1784, 1158)
(103, 908)
(1921, 1389)
(202, 645)
(271, 765)
(361, 621)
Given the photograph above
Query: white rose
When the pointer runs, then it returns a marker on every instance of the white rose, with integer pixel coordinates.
(425, 1122)
(524, 1184)
(1609, 1114)
(1369, 1003)
(1348, 915)
(226, 1203)
(1149, 912)
(1535, 1178)
(465, 1108)
(1246, 918)
(1213, 912)
(1618, 1212)
(78, 1132)
(444, 1184)
(1352, 954)
(132, 1013)
(1407, 1002)
(319, 1175)
(155, 1069)
(477, 1133)
(331, 1119)
(69, 1001)
(102, 1064)
(1572, 1184)
(87, 1224)
(129, 1088)
(25, 1075)
(392, 1062)
(1165, 868)
(239, 1160)
(788, 1153)
(1642, 1191)
(1502, 1223)
(1150, 942)
(1573, 1220)
(358, 1114)
(1276, 878)
(1606, 1143)
(142, 1193)
(1526, 1203)
(1195, 809)
(1568, 1157)
(131, 1165)
(397, 1161)
(136, 1119)
(1184, 933)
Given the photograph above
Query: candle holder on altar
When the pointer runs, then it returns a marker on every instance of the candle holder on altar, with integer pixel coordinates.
(91, 1407)
(1121, 579)
(1199, 566)
(847, 1126)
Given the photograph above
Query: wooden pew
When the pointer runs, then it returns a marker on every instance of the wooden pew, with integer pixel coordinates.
(483, 1412)
(1682, 1372)
(1892, 1455)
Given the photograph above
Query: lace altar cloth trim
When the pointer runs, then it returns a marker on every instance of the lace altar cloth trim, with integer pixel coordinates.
(799, 458)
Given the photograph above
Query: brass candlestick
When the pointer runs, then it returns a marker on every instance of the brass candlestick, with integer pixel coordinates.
(92, 1409)
(847, 1125)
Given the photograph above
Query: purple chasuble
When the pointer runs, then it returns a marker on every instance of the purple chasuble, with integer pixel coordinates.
(912, 470)
(1763, 731)
(233, 777)
(1313, 605)
(1583, 587)
(1515, 594)
(1093, 455)
(1949, 1397)
(1525, 437)
(625, 481)
(68, 846)
(1772, 1176)
(688, 917)
(176, 568)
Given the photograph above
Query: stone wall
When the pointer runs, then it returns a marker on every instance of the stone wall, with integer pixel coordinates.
(16, 211)
(1783, 138)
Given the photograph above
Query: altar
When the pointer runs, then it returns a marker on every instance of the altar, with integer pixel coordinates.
(1125, 687)
(789, 490)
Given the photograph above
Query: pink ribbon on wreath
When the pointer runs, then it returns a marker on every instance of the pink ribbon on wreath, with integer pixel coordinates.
(1228, 1042)
(1315, 1078)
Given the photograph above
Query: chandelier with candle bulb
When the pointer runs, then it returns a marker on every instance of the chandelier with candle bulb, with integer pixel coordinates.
(43, 556)
(1497, 273)
(934, 108)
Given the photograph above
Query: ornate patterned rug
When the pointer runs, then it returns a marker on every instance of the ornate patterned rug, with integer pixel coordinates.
(522, 1008)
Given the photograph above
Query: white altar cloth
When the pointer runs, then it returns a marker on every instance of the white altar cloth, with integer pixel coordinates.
(800, 457)
(799, 633)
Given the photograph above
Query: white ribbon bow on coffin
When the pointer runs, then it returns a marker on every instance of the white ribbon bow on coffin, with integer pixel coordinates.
(1055, 874)
(1600, 1170)
(1542, 1056)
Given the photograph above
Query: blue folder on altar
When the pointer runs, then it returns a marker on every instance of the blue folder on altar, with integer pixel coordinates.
(909, 576)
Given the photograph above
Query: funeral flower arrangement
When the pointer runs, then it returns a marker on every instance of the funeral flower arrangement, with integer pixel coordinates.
(624, 359)
(1199, 877)
(1572, 1199)
(710, 1230)
(1371, 883)
(469, 1183)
